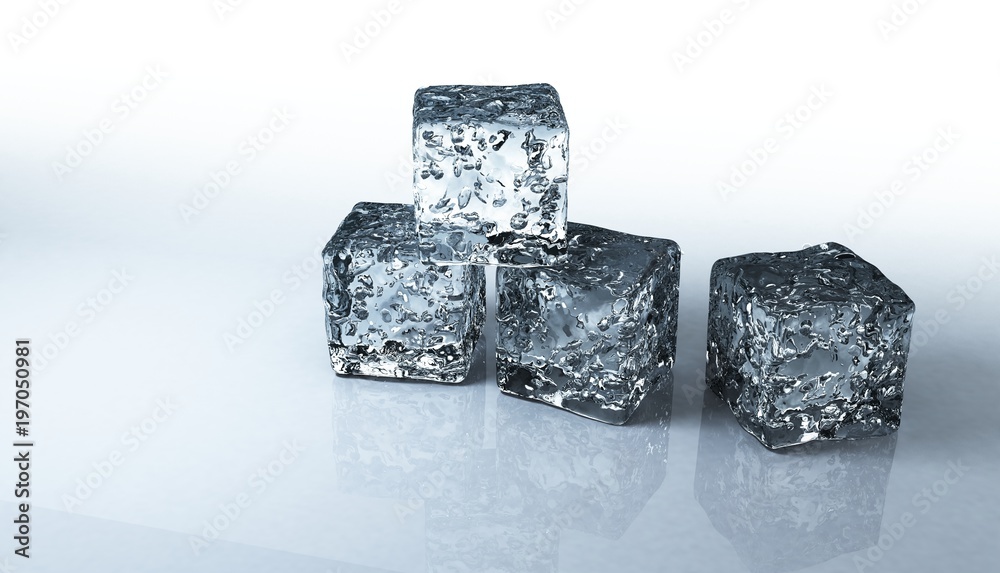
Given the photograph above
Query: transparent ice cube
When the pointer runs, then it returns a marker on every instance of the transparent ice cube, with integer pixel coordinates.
(388, 313)
(594, 334)
(808, 345)
(490, 171)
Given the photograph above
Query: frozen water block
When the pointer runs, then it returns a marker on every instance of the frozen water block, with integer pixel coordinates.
(808, 345)
(594, 334)
(389, 314)
(490, 170)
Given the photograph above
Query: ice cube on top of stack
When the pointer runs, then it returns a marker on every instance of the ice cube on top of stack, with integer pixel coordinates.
(808, 345)
(490, 172)
(390, 314)
(593, 334)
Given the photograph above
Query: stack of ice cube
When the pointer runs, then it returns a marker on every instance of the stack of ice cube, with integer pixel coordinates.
(587, 316)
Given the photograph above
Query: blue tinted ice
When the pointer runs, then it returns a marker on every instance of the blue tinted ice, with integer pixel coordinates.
(808, 345)
(388, 313)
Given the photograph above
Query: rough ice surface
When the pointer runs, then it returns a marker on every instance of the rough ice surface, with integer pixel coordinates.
(389, 314)
(594, 334)
(789, 510)
(808, 345)
(490, 171)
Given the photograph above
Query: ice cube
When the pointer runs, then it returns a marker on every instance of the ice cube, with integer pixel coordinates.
(490, 169)
(594, 334)
(388, 313)
(808, 345)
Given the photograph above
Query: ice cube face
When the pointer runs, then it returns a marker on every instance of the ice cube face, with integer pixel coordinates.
(808, 345)
(490, 171)
(389, 314)
(594, 334)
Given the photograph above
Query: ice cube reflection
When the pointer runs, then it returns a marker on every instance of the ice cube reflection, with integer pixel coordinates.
(787, 510)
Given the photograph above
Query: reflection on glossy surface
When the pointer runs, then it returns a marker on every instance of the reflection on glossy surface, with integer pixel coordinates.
(496, 508)
(581, 475)
(396, 439)
(477, 538)
(553, 471)
(784, 511)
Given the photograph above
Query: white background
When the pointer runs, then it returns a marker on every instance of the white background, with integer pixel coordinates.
(664, 101)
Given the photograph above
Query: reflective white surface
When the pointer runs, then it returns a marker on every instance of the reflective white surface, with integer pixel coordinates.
(398, 476)
(207, 417)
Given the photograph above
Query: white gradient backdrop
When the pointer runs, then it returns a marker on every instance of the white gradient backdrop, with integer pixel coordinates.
(652, 139)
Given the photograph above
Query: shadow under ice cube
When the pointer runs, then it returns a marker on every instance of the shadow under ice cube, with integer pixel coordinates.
(808, 345)
(596, 333)
(490, 171)
(388, 313)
